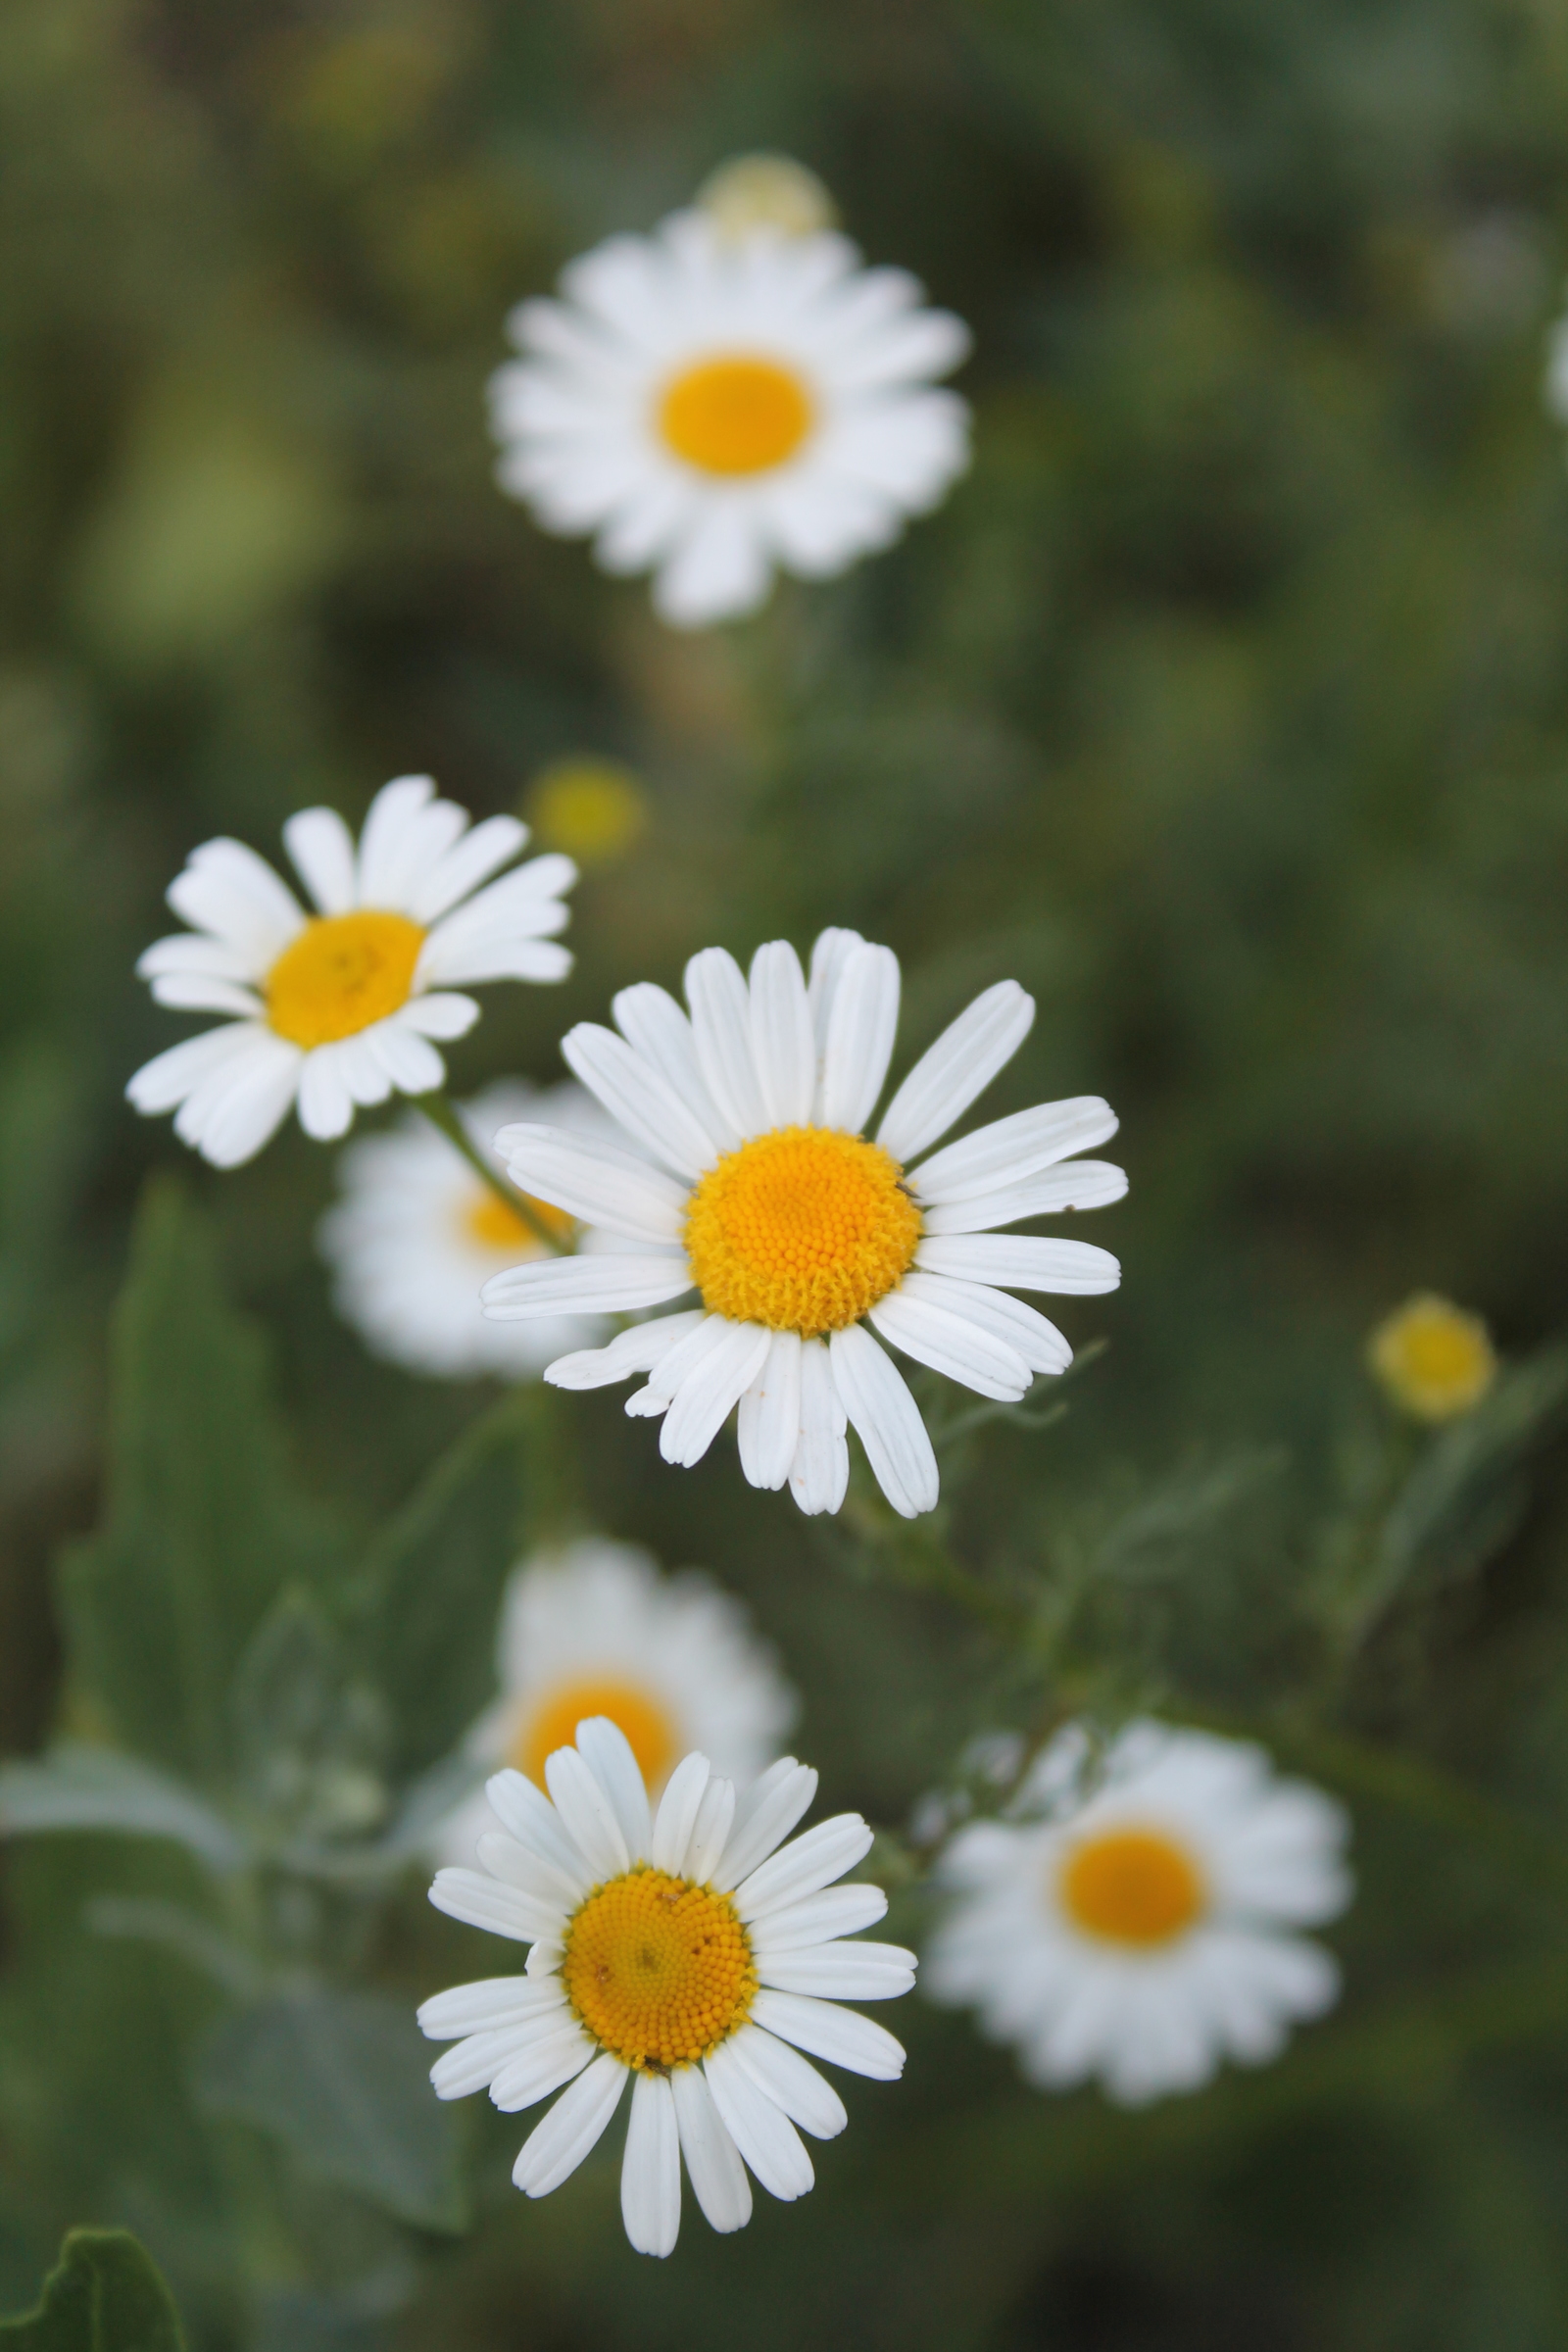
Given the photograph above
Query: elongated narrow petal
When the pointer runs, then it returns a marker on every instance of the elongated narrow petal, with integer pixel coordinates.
(762, 2130)
(1013, 1321)
(789, 2082)
(606, 1751)
(1010, 1151)
(717, 2175)
(769, 1427)
(650, 2173)
(944, 1337)
(783, 1047)
(636, 1351)
(1073, 1184)
(812, 1861)
(323, 850)
(542, 2068)
(492, 2002)
(483, 1903)
(1023, 1263)
(678, 1809)
(639, 1099)
(861, 1030)
(840, 2036)
(710, 1831)
(887, 1421)
(842, 1971)
(584, 1285)
(764, 1815)
(594, 1181)
(707, 1396)
(587, 1813)
(819, 1472)
(571, 2131)
(656, 1028)
(526, 1814)
(836, 1911)
(721, 1024)
(960, 1065)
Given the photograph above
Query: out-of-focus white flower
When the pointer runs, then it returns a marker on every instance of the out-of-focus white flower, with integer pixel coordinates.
(416, 1236)
(753, 1184)
(713, 406)
(1148, 1933)
(689, 1950)
(341, 1007)
(672, 1661)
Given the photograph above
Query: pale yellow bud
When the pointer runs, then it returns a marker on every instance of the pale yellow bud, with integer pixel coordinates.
(765, 191)
(1432, 1358)
(593, 808)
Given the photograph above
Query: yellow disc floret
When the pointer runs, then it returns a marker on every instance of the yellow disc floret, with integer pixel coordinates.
(659, 1971)
(1133, 1887)
(341, 973)
(1432, 1359)
(735, 415)
(551, 1721)
(487, 1220)
(802, 1229)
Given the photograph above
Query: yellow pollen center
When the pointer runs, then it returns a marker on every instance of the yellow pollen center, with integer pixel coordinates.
(488, 1221)
(341, 973)
(801, 1229)
(1432, 1359)
(736, 414)
(659, 1971)
(551, 1723)
(1133, 1887)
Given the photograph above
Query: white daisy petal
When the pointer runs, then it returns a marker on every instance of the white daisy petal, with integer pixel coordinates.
(1008, 1320)
(717, 2175)
(493, 2002)
(763, 1817)
(326, 1098)
(678, 1809)
(1022, 1261)
(656, 1028)
(256, 1101)
(794, 2086)
(769, 1423)
(555, 1888)
(715, 1818)
(674, 1366)
(606, 1751)
(858, 1044)
(762, 2130)
(587, 1812)
(323, 850)
(1011, 1149)
(407, 1060)
(830, 955)
(194, 992)
(707, 1395)
(571, 2131)
(650, 2173)
(585, 1286)
(944, 1337)
(473, 2063)
(229, 891)
(636, 1351)
(469, 862)
(526, 1814)
(810, 1862)
(721, 1026)
(390, 825)
(819, 1472)
(594, 1181)
(886, 1419)
(841, 1972)
(837, 1911)
(1075, 1184)
(483, 1903)
(195, 955)
(635, 1095)
(783, 1047)
(840, 2036)
(718, 570)
(541, 2069)
(445, 1015)
(962, 1062)
(165, 1082)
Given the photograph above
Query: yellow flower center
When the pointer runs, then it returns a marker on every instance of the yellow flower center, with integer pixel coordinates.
(1432, 1359)
(736, 414)
(801, 1229)
(659, 1971)
(491, 1225)
(551, 1723)
(341, 973)
(1133, 1887)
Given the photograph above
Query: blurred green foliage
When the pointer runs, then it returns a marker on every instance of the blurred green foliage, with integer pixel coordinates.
(1225, 705)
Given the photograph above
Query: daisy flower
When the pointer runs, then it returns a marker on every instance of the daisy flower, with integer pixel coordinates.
(1431, 1359)
(416, 1236)
(1146, 1934)
(671, 1661)
(714, 404)
(755, 1185)
(342, 1006)
(689, 1950)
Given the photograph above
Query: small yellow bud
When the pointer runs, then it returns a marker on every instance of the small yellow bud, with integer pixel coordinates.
(1432, 1358)
(765, 191)
(593, 808)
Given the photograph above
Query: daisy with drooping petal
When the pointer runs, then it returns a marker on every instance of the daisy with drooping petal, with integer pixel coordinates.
(1148, 1933)
(713, 406)
(341, 1007)
(416, 1236)
(671, 1661)
(755, 1185)
(688, 1949)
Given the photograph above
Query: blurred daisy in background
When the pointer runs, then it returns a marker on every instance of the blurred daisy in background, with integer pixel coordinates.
(1148, 1933)
(1431, 1359)
(686, 1950)
(754, 1185)
(671, 1661)
(341, 1007)
(595, 809)
(734, 394)
(416, 1236)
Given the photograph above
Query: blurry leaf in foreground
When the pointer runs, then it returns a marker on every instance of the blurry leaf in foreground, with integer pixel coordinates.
(81, 1788)
(310, 1736)
(203, 1526)
(104, 2297)
(342, 2079)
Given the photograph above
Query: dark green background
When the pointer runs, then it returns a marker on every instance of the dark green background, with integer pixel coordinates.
(1225, 705)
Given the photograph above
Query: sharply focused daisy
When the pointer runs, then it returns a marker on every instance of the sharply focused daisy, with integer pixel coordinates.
(1148, 1933)
(689, 1949)
(755, 1184)
(416, 1236)
(714, 404)
(672, 1662)
(341, 1006)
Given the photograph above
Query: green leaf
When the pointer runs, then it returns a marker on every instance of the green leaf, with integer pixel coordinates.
(342, 2079)
(81, 1788)
(432, 1587)
(204, 1527)
(104, 2297)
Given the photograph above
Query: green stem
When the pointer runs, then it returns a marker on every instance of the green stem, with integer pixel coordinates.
(440, 1113)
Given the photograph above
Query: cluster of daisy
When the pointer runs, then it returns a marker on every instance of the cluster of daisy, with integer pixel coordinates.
(730, 1205)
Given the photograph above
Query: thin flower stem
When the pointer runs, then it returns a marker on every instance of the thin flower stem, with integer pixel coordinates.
(440, 1113)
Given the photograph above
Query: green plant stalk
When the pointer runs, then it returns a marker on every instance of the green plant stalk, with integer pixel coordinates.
(440, 1113)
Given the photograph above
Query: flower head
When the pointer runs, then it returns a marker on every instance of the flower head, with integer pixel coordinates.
(672, 1662)
(414, 1237)
(755, 1185)
(1145, 1932)
(712, 405)
(753, 193)
(1432, 1358)
(341, 1007)
(688, 1949)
